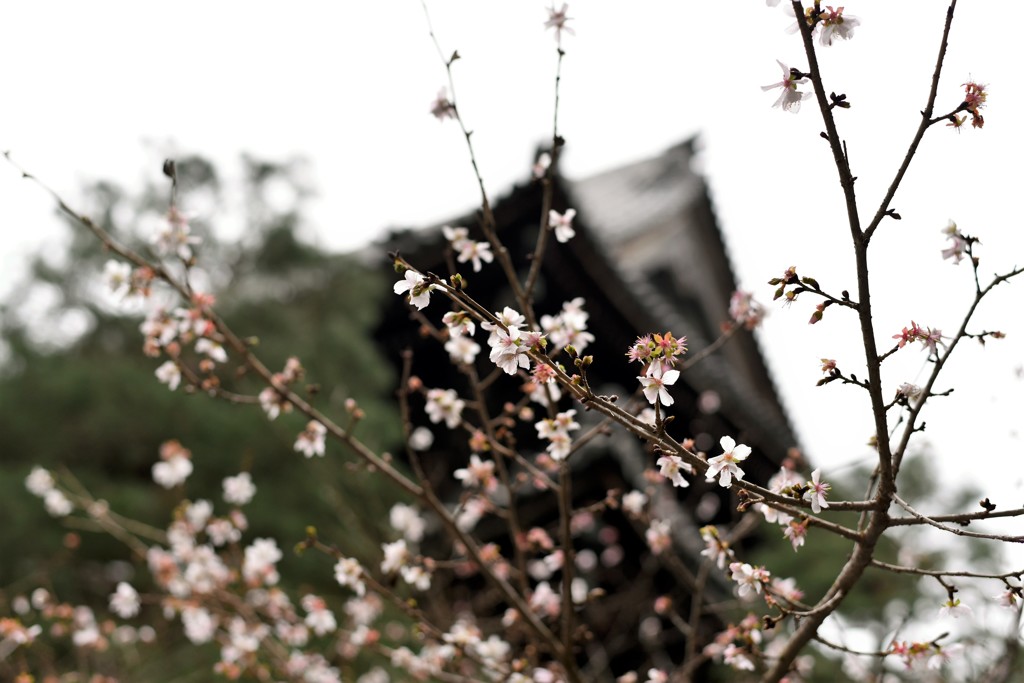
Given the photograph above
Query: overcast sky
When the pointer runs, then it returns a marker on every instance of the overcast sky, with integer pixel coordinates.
(108, 89)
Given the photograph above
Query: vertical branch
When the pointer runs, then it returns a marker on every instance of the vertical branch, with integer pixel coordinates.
(488, 222)
(878, 520)
(549, 190)
(926, 122)
(568, 558)
(514, 526)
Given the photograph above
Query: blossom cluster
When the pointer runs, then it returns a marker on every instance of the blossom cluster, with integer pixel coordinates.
(272, 398)
(510, 343)
(556, 431)
(929, 337)
(657, 355)
(975, 96)
(568, 327)
(787, 482)
(830, 23)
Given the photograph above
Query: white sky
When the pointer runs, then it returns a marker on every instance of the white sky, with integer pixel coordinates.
(108, 89)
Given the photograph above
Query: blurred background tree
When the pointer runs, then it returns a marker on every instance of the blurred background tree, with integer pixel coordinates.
(77, 393)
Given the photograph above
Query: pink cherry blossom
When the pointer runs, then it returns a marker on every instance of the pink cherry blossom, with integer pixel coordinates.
(796, 532)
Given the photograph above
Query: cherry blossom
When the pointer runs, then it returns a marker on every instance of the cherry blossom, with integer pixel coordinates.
(467, 249)
(462, 349)
(239, 489)
(407, 520)
(790, 97)
(541, 166)
(176, 236)
(117, 276)
(656, 386)
(509, 351)
(562, 224)
(459, 323)
(556, 430)
(479, 473)
(416, 576)
(656, 676)
(39, 482)
(273, 403)
(124, 602)
(672, 468)
(725, 466)
(476, 252)
(796, 532)
(444, 405)
(312, 440)
(787, 589)
(174, 467)
(57, 504)
(817, 490)
(781, 482)
(633, 502)
(738, 657)
(568, 327)
(417, 287)
(911, 391)
(170, 374)
(745, 310)
(954, 608)
(545, 601)
(348, 573)
(215, 350)
(558, 20)
(396, 555)
(834, 24)
(258, 566)
(1009, 597)
(716, 550)
(508, 318)
(421, 439)
(958, 248)
(320, 619)
(748, 579)
(974, 100)
(442, 108)
(658, 536)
